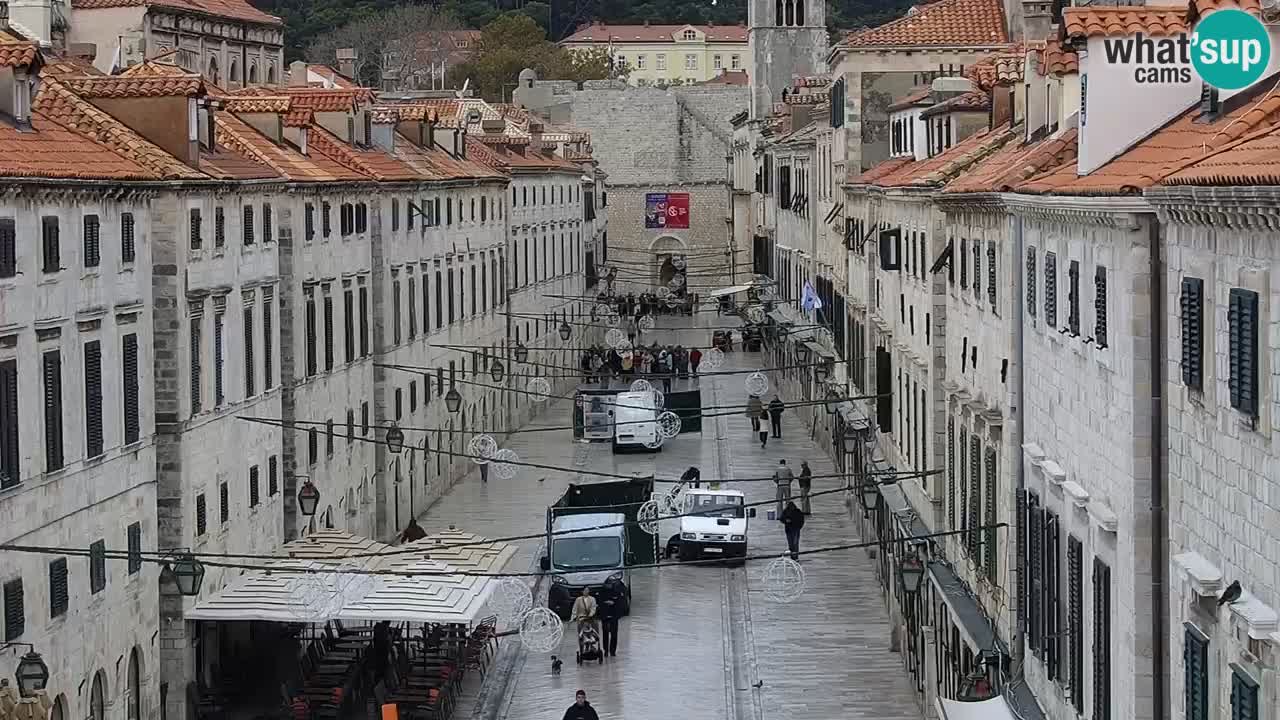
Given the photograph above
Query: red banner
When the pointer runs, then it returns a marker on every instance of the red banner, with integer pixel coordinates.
(666, 211)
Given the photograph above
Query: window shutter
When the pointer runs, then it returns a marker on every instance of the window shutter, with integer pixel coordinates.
(217, 359)
(1051, 289)
(1244, 696)
(1195, 665)
(10, 468)
(224, 503)
(249, 368)
(962, 479)
(253, 486)
(326, 221)
(8, 248)
(268, 338)
(327, 301)
(977, 269)
(1101, 640)
(1242, 320)
(1035, 601)
(59, 595)
(974, 538)
(1020, 547)
(92, 241)
(15, 613)
(310, 311)
(202, 515)
(1191, 303)
(50, 232)
(309, 221)
(313, 446)
(348, 324)
(266, 222)
(991, 274)
(1073, 297)
(196, 240)
(989, 554)
(52, 410)
(1075, 621)
(328, 432)
(1100, 306)
(964, 263)
(219, 226)
(395, 215)
(891, 249)
(951, 472)
(196, 373)
(1052, 589)
(93, 398)
(135, 547)
(129, 372)
(364, 321)
(97, 566)
(248, 224)
(127, 245)
(273, 476)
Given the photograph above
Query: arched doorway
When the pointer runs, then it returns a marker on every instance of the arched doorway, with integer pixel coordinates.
(664, 248)
(134, 684)
(98, 697)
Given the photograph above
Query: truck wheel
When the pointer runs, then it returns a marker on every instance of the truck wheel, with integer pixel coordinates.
(686, 553)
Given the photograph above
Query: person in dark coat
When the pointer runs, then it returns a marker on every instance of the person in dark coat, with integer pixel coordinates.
(692, 476)
(581, 709)
(611, 601)
(764, 431)
(792, 521)
(806, 484)
(775, 416)
(412, 532)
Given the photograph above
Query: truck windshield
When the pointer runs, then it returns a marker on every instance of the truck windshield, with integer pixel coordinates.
(718, 506)
(586, 553)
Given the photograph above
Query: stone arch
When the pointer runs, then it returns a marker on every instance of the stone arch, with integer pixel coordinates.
(98, 696)
(59, 709)
(133, 685)
(233, 72)
(253, 74)
(271, 74)
(211, 72)
(665, 247)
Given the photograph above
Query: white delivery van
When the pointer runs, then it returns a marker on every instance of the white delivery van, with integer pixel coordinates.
(635, 416)
(713, 524)
(586, 550)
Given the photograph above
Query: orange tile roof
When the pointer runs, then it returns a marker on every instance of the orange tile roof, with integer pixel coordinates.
(160, 66)
(874, 173)
(52, 151)
(943, 167)
(1113, 21)
(1200, 7)
(384, 115)
(1057, 59)
(299, 117)
(1252, 160)
(322, 99)
(972, 101)
(285, 160)
(225, 164)
(946, 23)
(68, 66)
(435, 164)
(122, 86)
(1014, 163)
(1002, 68)
(918, 96)
(260, 104)
(229, 9)
(602, 33)
(59, 103)
(17, 53)
(372, 162)
(1165, 151)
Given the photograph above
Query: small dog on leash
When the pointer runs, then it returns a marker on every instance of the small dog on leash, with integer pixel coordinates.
(556, 664)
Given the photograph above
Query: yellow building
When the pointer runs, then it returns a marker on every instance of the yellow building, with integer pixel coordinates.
(668, 54)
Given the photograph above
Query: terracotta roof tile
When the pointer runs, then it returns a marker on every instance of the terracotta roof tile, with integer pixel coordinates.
(68, 66)
(373, 163)
(1112, 21)
(298, 117)
(1163, 152)
(60, 104)
(324, 99)
(874, 173)
(1253, 160)
(17, 53)
(284, 159)
(121, 86)
(1015, 163)
(230, 9)
(225, 164)
(1002, 68)
(436, 164)
(52, 151)
(601, 33)
(260, 104)
(943, 167)
(1057, 59)
(973, 101)
(947, 23)
(161, 66)
(918, 96)
(1200, 7)
(446, 112)
(384, 115)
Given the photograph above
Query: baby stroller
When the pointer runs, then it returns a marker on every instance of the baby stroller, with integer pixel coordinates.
(589, 642)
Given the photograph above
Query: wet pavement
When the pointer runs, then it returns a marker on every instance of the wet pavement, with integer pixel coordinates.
(695, 642)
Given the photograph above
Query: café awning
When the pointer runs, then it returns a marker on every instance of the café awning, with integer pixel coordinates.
(429, 585)
(731, 290)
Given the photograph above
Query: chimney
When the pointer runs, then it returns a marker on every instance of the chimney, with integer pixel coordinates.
(535, 136)
(16, 103)
(493, 127)
(33, 18)
(347, 62)
(207, 124)
(1037, 19)
(429, 127)
(463, 153)
(297, 74)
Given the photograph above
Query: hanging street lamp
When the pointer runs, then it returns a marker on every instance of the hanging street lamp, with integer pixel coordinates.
(870, 497)
(521, 353)
(911, 570)
(453, 400)
(395, 439)
(32, 674)
(565, 330)
(496, 370)
(976, 686)
(833, 401)
(308, 499)
(186, 572)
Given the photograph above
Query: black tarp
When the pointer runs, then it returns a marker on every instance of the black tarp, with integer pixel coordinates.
(612, 496)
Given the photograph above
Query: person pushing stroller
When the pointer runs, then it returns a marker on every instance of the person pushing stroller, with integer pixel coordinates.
(585, 613)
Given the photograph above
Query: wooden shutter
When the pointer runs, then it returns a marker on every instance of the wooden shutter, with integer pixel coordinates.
(273, 476)
(128, 252)
(196, 240)
(219, 226)
(951, 472)
(1051, 289)
(1075, 622)
(59, 594)
(977, 269)
(327, 305)
(326, 220)
(8, 248)
(129, 382)
(50, 235)
(202, 515)
(1242, 353)
(1101, 640)
(268, 338)
(217, 359)
(974, 538)
(1100, 306)
(266, 222)
(349, 326)
(364, 321)
(10, 464)
(413, 307)
(249, 388)
(1052, 588)
(1020, 548)
(991, 274)
(309, 221)
(1195, 665)
(52, 361)
(97, 566)
(253, 486)
(1035, 589)
(15, 613)
(1191, 304)
(310, 313)
(93, 398)
(313, 446)
(962, 480)
(248, 224)
(92, 241)
(135, 548)
(1244, 695)
(196, 373)
(1073, 297)
(224, 503)
(989, 554)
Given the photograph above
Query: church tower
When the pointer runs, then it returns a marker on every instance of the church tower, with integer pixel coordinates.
(788, 39)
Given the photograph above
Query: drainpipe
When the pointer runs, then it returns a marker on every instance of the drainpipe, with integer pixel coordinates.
(1016, 424)
(1159, 473)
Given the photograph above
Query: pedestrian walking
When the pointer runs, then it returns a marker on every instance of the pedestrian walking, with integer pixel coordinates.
(806, 484)
(792, 521)
(754, 406)
(782, 477)
(580, 709)
(763, 424)
(695, 359)
(611, 601)
(692, 477)
(775, 416)
(484, 473)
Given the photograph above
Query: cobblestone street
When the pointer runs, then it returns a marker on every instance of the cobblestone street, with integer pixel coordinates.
(694, 643)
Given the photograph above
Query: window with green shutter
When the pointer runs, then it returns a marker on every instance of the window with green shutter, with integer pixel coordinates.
(951, 473)
(1101, 640)
(97, 566)
(1242, 351)
(59, 595)
(135, 548)
(15, 613)
(1195, 668)
(1075, 622)
(989, 555)
(1051, 289)
(1191, 306)
(93, 399)
(1244, 695)
(975, 496)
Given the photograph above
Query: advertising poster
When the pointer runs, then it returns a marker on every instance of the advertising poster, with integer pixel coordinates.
(666, 211)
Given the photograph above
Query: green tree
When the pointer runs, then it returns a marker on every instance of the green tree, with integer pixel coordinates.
(514, 41)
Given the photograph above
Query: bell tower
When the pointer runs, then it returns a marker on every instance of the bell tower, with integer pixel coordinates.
(788, 39)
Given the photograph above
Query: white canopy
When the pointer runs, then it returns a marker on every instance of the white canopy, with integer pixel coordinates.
(731, 290)
(276, 593)
(994, 709)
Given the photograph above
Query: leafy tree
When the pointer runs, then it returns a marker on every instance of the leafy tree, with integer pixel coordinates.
(403, 46)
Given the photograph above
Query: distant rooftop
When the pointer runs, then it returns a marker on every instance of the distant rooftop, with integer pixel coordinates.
(602, 33)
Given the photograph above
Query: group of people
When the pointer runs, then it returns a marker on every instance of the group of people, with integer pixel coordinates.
(791, 515)
(765, 419)
(638, 305)
(653, 362)
(607, 611)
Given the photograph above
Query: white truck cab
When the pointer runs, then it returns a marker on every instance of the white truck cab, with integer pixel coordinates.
(713, 524)
(636, 421)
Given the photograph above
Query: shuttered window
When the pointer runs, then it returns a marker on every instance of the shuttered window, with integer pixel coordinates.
(253, 486)
(962, 480)
(268, 339)
(309, 303)
(327, 307)
(974, 538)
(395, 215)
(991, 274)
(308, 222)
(1244, 695)
(97, 566)
(326, 219)
(219, 227)
(1073, 297)
(129, 383)
(1020, 549)
(249, 368)
(362, 217)
(1101, 640)
(10, 467)
(395, 312)
(328, 437)
(364, 322)
(266, 222)
(348, 325)
(8, 248)
(224, 503)
(52, 370)
(196, 370)
(93, 398)
(1242, 350)
(964, 263)
(59, 593)
(364, 418)
(1051, 289)
(351, 426)
(128, 251)
(313, 446)
(1075, 622)
(273, 476)
(202, 515)
(15, 612)
(413, 308)
(1100, 306)
(951, 472)
(248, 224)
(452, 294)
(426, 303)
(194, 228)
(218, 395)
(1052, 598)
(92, 241)
(51, 247)
(977, 269)
(135, 548)
(989, 554)
(1191, 305)
(1035, 564)
(1195, 667)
